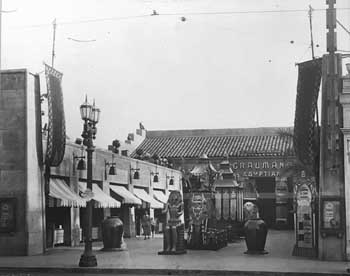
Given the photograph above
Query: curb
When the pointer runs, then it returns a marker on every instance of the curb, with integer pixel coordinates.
(139, 271)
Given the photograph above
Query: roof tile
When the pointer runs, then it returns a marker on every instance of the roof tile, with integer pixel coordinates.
(176, 146)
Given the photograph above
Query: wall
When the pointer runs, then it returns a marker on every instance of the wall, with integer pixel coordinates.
(125, 168)
(19, 173)
(133, 141)
(13, 156)
(35, 189)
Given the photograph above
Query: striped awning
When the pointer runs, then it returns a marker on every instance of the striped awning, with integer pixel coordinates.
(141, 194)
(102, 199)
(128, 197)
(66, 196)
(159, 195)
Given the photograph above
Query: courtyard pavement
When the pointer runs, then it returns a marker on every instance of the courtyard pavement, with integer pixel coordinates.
(141, 258)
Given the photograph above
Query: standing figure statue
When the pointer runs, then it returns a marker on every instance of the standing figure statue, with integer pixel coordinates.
(174, 228)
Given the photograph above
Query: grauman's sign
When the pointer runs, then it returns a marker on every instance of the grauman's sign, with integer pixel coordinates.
(259, 168)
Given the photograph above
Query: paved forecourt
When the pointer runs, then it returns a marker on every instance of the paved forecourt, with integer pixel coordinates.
(141, 258)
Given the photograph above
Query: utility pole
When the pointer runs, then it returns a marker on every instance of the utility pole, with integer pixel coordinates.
(0, 39)
(332, 241)
(53, 42)
(331, 48)
(311, 36)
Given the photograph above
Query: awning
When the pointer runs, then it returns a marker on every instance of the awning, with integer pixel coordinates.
(60, 190)
(141, 194)
(129, 198)
(102, 199)
(226, 183)
(160, 196)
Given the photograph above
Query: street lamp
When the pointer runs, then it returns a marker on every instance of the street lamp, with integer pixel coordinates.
(90, 115)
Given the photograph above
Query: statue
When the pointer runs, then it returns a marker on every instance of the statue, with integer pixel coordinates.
(174, 228)
(198, 219)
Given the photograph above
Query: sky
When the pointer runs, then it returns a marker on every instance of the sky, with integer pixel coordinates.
(229, 64)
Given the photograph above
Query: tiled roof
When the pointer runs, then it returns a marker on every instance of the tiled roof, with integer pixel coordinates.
(218, 143)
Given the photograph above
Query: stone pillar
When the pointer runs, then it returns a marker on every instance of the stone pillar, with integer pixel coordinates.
(75, 212)
(345, 101)
(150, 192)
(129, 221)
(20, 174)
(105, 188)
(331, 239)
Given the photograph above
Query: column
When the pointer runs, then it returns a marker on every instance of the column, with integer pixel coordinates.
(105, 188)
(345, 101)
(21, 193)
(75, 212)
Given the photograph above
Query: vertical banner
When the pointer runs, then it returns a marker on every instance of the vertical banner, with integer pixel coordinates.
(56, 138)
(309, 79)
(38, 124)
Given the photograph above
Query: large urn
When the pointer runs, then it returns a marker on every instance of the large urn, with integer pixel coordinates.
(255, 231)
(112, 234)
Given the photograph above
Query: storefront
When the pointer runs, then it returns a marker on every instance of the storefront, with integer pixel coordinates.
(127, 210)
(62, 201)
(101, 202)
(265, 185)
(149, 205)
(257, 156)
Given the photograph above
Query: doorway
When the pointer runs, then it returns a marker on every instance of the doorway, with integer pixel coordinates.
(267, 199)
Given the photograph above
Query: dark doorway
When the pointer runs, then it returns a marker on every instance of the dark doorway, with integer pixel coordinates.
(267, 199)
(139, 212)
(58, 218)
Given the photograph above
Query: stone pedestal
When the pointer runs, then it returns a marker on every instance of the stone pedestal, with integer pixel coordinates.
(180, 243)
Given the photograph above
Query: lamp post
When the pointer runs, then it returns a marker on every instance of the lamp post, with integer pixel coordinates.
(90, 115)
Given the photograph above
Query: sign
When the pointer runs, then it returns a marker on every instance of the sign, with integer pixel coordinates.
(7, 215)
(259, 168)
(332, 216)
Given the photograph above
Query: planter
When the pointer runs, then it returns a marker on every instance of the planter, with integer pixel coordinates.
(112, 234)
(255, 231)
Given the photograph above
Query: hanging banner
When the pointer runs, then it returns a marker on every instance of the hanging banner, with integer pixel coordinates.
(309, 78)
(56, 138)
(38, 124)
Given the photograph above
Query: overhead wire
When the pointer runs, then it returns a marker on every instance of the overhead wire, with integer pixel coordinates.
(116, 18)
(341, 25)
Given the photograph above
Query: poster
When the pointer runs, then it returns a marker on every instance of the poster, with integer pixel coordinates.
(7, 215)
(331, 214)
(304, 217)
